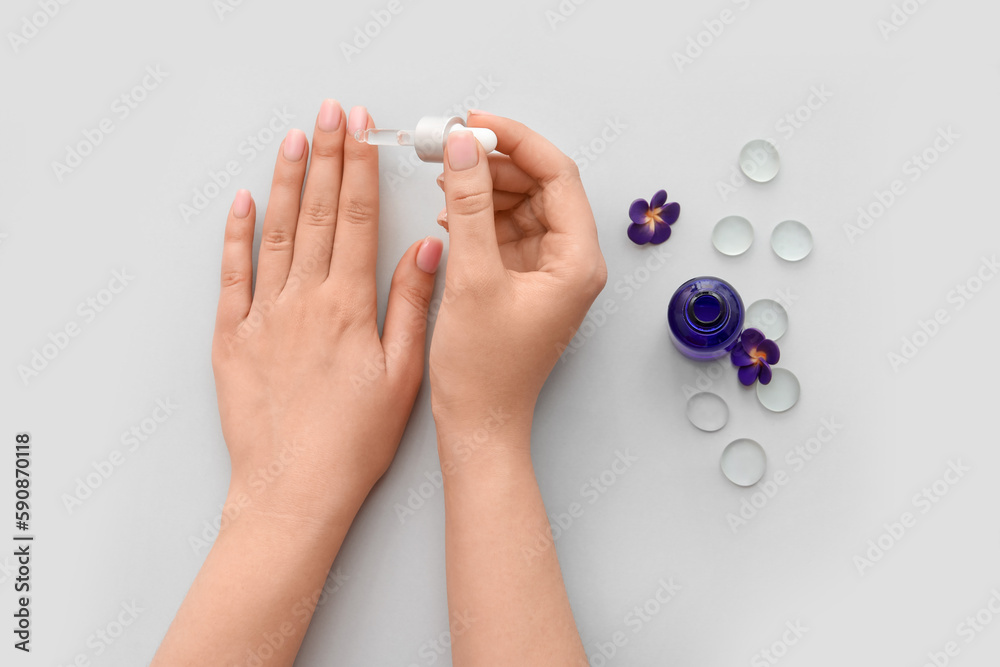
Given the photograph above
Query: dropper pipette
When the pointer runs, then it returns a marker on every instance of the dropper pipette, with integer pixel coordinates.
(376, 137)
(429, 137)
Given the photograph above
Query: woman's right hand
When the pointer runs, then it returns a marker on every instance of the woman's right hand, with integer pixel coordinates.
(524, 267)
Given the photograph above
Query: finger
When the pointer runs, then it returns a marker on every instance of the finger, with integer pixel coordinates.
(237, 264)
(355, 246)
(318, 216)
(509, 227)
(405, 327)
(562, 195)
(528, 150)
(523, 256)
(502, 201)
(278, 237)
(510, 177)
(468, 191)
(516, 224)
(506, 175)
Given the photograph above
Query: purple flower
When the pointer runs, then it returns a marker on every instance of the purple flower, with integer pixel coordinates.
(651, 221)
(755, 354)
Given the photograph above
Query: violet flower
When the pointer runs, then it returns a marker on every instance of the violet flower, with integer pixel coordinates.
(755, 354)
(651, 221)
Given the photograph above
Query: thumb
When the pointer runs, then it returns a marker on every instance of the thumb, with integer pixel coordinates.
(468, 190)
(405, 330)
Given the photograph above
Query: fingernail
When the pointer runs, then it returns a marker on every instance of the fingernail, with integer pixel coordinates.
(429, 254)
(463, 150)
(295, 145)
(358, 120)
(443, 216)
(480, 112)
(329, 116)
(440, 181)
(241, 205)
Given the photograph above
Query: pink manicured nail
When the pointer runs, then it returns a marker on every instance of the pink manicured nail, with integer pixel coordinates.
(295, 145)
(480, 112)
(463, 150)
(358, 120)
(241, 205)
(329, 116)
(429, 254)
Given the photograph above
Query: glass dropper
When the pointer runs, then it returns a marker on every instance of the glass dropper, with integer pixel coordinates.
(377, 137)
(429, 137)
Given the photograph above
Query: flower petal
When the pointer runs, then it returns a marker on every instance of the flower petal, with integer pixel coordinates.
(750, 339)
(637, 211)
(748, 374)
(770, 351)
(765, 373)
(659, 199)
(740, 357)
(661, 233)
(640, 234)
(670, 213)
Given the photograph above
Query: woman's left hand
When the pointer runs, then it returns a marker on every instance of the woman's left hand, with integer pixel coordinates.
(305, 384)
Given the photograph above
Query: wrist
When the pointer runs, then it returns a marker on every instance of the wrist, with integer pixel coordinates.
(290, 506)
(280, 535)
(456, 417)
(483, 438)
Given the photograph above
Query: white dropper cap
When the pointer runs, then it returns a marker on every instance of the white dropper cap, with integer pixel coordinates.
(431, 135)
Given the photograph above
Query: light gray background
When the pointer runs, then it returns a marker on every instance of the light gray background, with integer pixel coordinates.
(623, 391)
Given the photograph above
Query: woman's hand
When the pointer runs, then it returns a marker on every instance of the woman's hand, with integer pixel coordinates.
(313, 402)
(524, 267)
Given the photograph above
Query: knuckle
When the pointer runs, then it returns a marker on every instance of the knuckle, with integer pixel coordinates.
(287, 177)
(598, 277)
(467, 201)
(565, 171)
(570, 169)
(418, 298)
(276, 239)
(360, 153)
(566, 175)
(589, 275)
(234, 278)
(237, 233)
(327, 149)
(318, 213)
(357, 211)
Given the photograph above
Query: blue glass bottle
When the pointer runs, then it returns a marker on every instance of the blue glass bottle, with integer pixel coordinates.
(705, 317)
